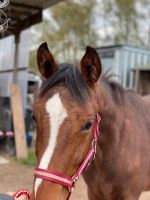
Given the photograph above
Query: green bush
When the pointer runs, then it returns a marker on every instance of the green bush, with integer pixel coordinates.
(30, 160)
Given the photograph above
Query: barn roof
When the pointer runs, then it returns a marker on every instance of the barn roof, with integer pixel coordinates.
(23, 14)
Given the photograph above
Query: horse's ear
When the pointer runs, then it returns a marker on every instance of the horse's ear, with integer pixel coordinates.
(45, 60)
(91, 67)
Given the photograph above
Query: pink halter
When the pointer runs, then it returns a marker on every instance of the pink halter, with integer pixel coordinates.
(67, 181)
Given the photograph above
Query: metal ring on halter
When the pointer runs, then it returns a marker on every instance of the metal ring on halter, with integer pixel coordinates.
(94, 145)
(74, 178)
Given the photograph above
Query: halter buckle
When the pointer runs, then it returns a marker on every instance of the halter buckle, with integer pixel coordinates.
(94, 145)
(71, 189)
(74, 178)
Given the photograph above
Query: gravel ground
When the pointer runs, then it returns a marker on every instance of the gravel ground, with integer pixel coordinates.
(14, 176)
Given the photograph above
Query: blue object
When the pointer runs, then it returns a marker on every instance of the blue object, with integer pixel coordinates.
(29, 139)
(5, 197)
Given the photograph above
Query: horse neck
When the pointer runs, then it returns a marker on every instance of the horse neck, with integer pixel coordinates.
(110, 108)
(111, 113)
(110, 105)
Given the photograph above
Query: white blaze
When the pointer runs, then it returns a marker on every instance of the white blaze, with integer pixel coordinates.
(57, 114)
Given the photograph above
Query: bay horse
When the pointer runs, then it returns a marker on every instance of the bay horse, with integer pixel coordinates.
(67, 112)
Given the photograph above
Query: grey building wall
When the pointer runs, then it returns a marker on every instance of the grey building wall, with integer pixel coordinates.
(121, 59)
(7, 47)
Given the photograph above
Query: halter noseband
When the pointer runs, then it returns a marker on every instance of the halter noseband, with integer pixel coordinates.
(69, 182)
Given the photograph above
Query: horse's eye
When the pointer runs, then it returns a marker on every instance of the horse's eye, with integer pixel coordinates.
(87, 125)
(33, 117)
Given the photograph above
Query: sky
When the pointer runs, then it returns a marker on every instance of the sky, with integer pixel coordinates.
(107, 29)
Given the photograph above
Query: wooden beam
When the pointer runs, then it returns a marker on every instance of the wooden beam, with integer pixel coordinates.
(19, 11)
(136, 81)
(11, 70)
(15, 19)
(21, 25)
(25, 6)
(18, 122)
(5, 34)
(16, 57)
(29, 21)
(21, 21)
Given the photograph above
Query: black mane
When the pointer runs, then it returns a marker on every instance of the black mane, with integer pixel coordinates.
(69, 76)
(117, 91)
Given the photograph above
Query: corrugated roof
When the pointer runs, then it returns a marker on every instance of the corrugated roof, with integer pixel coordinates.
(23, 14)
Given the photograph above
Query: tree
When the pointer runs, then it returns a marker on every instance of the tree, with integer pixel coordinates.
(72, 25)
(128, 22)
(69, 29)
(123, 21)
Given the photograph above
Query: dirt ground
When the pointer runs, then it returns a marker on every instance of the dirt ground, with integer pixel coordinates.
(14, 176)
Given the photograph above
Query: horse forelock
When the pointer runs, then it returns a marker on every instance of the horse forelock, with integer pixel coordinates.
(70, 77)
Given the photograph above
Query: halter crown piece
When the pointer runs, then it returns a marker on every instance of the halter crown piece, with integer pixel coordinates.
(69, 182)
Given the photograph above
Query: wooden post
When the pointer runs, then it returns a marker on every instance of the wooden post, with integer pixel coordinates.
(136, 82)
(17, 109)
(18, 122)
(16, 56)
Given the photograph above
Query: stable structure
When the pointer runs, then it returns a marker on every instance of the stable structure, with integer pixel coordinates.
(24, 14)
(14, 43)
(121, 59)
(13, 70)
(143, 79)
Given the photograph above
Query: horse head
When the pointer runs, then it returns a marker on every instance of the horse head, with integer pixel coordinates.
(65, 113)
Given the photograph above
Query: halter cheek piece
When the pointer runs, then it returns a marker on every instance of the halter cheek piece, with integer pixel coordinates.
(69, 182)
